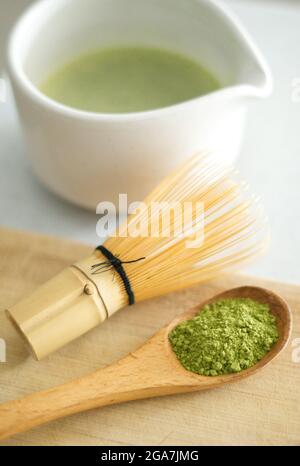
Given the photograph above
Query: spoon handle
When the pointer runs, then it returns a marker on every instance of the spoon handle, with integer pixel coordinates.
(146, 373)
(139, 375)
(114, 384)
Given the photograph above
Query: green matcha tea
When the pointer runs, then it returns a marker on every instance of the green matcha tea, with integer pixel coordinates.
(133, 79)
(227, 336)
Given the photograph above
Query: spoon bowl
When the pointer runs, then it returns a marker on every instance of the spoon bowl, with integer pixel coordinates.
(152, 370)
(278, 307)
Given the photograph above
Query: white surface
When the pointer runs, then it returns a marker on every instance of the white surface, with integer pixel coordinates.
(270, 157)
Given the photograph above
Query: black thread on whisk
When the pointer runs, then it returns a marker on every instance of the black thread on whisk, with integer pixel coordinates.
(117, 264)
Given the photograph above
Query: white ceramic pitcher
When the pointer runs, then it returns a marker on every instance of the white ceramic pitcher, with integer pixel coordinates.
(92, 157)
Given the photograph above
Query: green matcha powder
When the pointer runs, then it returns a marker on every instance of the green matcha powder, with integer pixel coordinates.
(227, 336)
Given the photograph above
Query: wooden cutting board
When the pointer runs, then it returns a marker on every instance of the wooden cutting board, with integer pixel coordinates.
(264, 409)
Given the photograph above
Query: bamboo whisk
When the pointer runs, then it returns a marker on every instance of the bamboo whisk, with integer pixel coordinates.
(149, 256)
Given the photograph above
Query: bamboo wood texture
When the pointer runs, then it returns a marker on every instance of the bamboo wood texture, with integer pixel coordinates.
(264, 409)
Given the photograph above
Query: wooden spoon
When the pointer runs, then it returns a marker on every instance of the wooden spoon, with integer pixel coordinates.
(152, 370)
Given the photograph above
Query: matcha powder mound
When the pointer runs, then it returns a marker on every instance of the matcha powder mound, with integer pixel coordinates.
(227, 336)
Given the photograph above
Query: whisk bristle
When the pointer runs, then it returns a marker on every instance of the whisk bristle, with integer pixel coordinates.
(229, 229)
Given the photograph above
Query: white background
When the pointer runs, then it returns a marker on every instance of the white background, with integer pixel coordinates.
(270, 157)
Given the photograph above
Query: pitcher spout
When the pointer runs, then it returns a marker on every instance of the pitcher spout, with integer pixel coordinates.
(249, 72)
